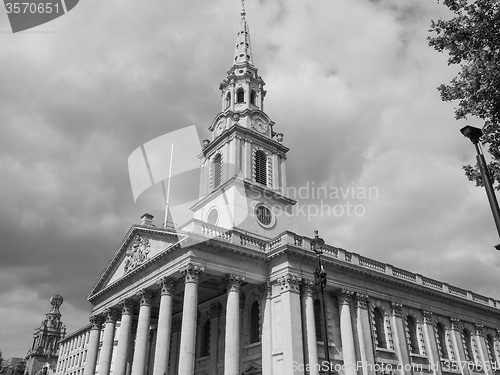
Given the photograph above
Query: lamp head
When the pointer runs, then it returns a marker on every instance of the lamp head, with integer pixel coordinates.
(317, 243)
(472, 133)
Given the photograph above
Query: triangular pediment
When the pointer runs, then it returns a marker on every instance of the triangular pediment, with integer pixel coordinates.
(140, 246)
(252, 369)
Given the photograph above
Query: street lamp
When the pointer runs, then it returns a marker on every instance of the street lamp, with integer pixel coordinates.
(320, 274)
(474, 134)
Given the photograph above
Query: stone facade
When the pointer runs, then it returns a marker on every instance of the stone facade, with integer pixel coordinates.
(233, 291)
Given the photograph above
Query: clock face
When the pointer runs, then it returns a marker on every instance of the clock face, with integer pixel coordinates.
(220, 127)
(260, 124)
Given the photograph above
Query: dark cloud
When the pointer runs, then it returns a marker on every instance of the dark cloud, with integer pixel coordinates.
(350, 84)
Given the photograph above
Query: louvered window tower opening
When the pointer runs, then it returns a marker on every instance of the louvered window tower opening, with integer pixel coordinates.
(217, 170)
(261, 167)
(240, 96)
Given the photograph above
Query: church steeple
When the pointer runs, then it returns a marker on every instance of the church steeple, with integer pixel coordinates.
(243, 50)
(243, 183)
(242, 91)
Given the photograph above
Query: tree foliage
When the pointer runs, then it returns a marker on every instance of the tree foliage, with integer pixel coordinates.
(472, 40)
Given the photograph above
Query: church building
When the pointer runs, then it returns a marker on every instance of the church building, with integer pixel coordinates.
(43, 355)
(234, 292)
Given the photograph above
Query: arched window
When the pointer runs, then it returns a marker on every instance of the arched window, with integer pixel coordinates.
(441, 335)
(217, 170)
(240, 95)
(379, 328)
(491, 348)
(317, 320)
(205, 339)
(252, 97)
(261, 167)
(413, 336)
(469, 355)
(254, 323)
(228, 99)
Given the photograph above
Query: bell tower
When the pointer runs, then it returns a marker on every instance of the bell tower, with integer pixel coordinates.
(243, 178)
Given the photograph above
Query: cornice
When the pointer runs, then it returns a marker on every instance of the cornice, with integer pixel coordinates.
(244, 133)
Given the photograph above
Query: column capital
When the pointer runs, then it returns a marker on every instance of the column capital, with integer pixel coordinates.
(454, 323)
(110, 315)
(427, 316)
(145, 297)
(396, 309)
(234, 282)
(290, 282)
(191, 272)
(266, 289)
(96, 322)
(167, 286)
(345, 296)
(127, 307)
(362, 300)
(308, 287)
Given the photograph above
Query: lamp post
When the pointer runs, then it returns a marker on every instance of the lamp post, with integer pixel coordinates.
(474, 134)
(320, 274)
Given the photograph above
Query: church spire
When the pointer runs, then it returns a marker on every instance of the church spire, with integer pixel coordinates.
(243, 50)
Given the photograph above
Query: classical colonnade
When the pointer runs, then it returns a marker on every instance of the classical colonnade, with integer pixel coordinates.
(164, 326)
(297, 332)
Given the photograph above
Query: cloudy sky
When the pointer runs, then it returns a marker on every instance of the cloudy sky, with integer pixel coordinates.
(351, 84)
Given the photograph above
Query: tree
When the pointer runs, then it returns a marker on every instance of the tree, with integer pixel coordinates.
(20, 367)
(472, 40)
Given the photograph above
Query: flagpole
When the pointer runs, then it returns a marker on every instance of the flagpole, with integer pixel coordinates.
(168, 185)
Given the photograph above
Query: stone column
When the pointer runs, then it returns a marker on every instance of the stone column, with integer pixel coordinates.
(399, 338)
(233, 97)
(265, 338)
(347, 336)
(232, 340)
(188, 329)
(283, 175)
(292, 337)
(141, 340)
(364, 335)
(456, 336)
(248, 160)
(93, 347)
(431, 344)
(311, 346)
(107, 342)
(164, 327)
(123, 339)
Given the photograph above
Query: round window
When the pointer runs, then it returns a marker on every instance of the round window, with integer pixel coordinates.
(213, 216)
(264, 216)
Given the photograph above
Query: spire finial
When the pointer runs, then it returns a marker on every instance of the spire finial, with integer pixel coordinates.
(243, 8)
